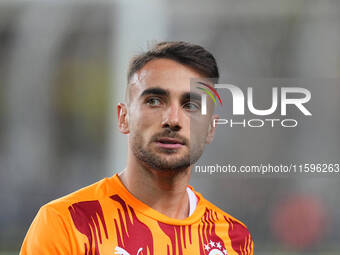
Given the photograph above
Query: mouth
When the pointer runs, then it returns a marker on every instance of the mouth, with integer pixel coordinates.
(169, 143)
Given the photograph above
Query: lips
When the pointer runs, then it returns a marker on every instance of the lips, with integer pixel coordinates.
(169, 143)
(168, 140)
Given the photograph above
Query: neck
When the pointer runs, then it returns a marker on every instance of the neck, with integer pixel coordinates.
(164, 191)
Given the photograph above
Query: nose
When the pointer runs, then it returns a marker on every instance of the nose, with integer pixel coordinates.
(171, 118)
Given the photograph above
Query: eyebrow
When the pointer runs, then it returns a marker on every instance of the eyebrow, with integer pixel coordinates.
(162, 92)
(155, 91)
(191, 96)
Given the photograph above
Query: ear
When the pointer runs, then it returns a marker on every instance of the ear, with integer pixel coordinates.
(211, 129)
(123, 118)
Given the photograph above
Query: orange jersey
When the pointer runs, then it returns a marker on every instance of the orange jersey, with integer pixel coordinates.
(104, 218)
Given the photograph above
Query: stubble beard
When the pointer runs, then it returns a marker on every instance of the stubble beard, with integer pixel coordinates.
(159, 161)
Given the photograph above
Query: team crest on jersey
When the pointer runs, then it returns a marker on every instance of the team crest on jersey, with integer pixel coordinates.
(121, 251)
(215, 248)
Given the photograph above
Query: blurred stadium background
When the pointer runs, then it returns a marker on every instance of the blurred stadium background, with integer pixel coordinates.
(62, 69)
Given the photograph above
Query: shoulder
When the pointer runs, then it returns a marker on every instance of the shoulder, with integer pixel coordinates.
(237, 231)
(84, 200)
(93, 192)
(221, 213)
(53, 228)
(218, 211)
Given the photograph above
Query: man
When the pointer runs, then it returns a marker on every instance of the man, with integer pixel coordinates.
(149, 208)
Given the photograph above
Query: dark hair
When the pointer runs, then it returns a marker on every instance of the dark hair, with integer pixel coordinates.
(185, 53)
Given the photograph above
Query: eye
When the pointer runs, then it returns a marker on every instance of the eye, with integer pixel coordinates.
(191, 106)
(153, 101)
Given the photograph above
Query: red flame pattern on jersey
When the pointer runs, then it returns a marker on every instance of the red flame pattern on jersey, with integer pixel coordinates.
(85, 217)
(207, 230)
(206, 233)
(174, 233)
(132, 234)
(241, 240)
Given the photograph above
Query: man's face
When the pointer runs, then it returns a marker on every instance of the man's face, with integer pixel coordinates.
(164, 122)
